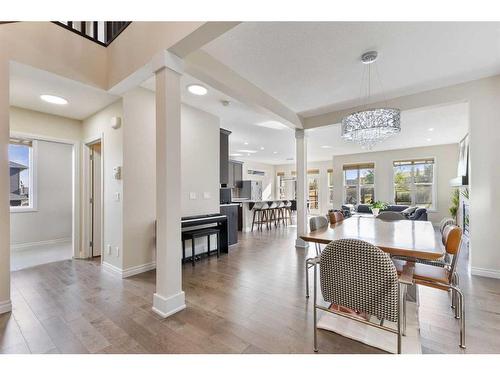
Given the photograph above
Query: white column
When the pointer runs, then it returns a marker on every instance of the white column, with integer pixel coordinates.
(301, 160)
(5, 304)
(169, 297)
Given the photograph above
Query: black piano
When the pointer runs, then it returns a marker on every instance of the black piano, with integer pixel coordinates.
(208, 221)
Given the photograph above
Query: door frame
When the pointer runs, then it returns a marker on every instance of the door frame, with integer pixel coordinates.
(86, 220)
(75, 225)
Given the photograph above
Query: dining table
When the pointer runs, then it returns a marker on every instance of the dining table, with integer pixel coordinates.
(408, 238)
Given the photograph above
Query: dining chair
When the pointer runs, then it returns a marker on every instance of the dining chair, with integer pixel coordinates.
(443, 278)
(335, 216)
(391, 216)
(359, 276)
(315, 223)
(445, 222)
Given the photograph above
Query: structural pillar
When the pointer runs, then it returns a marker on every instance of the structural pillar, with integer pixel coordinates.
(301, 191)
(169, 297)
(5, 304)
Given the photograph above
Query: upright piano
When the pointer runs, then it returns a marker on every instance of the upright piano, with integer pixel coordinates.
(217, 220)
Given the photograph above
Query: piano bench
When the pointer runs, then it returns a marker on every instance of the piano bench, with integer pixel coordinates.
(197, 233)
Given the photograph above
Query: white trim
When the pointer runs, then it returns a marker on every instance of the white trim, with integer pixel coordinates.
(130, 271)
(113, 269)
(165, 307)
(5, 306)
(485, 272)
(29, 245)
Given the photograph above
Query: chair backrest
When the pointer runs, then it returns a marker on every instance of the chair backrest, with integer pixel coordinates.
(391, 216)
(446, 221)
(317, 222)
(452, 239)
(359, 276)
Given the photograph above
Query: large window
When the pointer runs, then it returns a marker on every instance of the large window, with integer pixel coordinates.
(359, 183)
(21, 175)
(414, 182)
(330, 186)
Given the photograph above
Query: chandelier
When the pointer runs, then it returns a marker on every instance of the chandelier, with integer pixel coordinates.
(371, 126)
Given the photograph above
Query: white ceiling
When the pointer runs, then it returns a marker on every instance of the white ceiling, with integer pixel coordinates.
(28, 83)
(450, 124)
(313, 67)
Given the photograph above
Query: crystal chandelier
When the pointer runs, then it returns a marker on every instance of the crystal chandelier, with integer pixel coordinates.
(371, 126)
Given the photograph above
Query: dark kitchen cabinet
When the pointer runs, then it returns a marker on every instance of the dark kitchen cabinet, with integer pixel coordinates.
(224, 157)
(231, 211)
(235, 173)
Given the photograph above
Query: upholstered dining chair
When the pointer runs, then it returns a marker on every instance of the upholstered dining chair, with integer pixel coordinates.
(359, 276)
(315, 223)
(443, 278)
(391, 216)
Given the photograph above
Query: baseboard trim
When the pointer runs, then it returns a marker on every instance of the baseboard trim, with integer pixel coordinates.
(30, 245)
(5, 306)
(299, 242)
(165, 307)
(131, 271)
(485, 272)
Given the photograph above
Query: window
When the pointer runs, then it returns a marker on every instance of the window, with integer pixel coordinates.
(414, 182)
(330, 186)
(359, 183)
(21, 174)
(313, 189)
(281, 185)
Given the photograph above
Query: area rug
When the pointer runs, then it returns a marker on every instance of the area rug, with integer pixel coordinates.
(373, 336)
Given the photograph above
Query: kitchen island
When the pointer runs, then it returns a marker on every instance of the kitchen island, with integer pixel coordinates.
(247, 212)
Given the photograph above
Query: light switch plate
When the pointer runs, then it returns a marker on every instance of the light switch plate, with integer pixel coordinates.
(117, 251)
(117, 196)
(207, 195)
(108, 249)
(192, 195)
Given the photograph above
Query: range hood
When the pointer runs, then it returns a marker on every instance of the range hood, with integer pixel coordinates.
(462, 178)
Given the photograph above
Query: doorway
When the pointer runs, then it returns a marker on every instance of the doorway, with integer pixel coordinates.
(95, 199)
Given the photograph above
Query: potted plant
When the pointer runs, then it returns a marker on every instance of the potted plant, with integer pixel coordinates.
(455, 202)
(377, 206)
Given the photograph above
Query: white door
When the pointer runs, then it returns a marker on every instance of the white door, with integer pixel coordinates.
(95, 199)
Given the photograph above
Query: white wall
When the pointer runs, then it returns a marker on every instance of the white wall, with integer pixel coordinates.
(268, 180)
(323, 167)
(446, 159)
(200, 137)
(96, 126)
(139, 178)
(54, 191)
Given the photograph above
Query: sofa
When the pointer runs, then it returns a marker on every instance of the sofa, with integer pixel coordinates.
(419, 213)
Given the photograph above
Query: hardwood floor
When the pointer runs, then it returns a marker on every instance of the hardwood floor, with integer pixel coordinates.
(250, 301)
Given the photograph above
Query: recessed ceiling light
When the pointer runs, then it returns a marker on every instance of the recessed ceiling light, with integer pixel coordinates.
(261, 148)
(428, 139)
(196, 89)
(271, 125)
(275, 152)
(326, 146)
(235, 154)
(249, 154)
(431, 129)
(245, 143)
(247, 151)
(53, 99)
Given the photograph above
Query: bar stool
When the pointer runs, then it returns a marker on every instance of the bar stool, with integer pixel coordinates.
(281, 212)
(260, 212)
(288, 212)
(272, 212)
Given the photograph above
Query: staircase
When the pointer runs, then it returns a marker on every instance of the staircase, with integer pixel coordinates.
(100, 32)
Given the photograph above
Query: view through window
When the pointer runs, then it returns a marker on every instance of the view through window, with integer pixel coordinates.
(359, 183)
(20, 173)
(414, 182)
(330, 186)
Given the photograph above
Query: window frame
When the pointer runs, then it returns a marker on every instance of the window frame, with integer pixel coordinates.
(359, 167)
(33, 166)
(434, 205)
(329, 175)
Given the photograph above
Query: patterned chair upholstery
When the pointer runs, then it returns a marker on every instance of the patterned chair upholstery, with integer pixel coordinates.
(357, 275)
